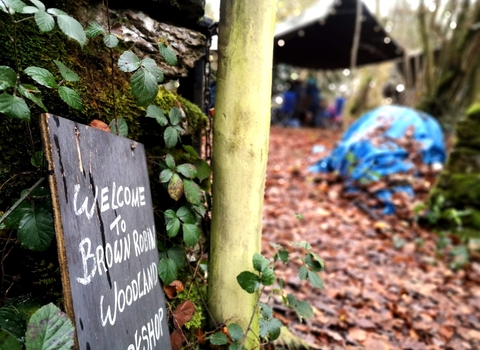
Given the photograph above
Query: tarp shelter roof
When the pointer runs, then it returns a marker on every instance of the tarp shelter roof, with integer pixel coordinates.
(322, 37)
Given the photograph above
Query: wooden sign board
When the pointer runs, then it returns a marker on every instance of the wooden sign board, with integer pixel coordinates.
(106, 237)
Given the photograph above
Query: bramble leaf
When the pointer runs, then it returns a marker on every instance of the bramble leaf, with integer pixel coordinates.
(177, 254)
(186, 215)
(8, 341)
(14, 107)
(266, 311)
(187, 170)
(218, 339)
(274, 327)
(248, 281)
(170, 161)
(33, 94)
(168, 54)
(175, 115)
(268, 277)
(191, 234)
(150, 65)
(144, 86)
(45, 21)
(167, 270)
(260, 263)
(171, 137)
(166, 175)
(41, 76)
(70, 97)
(175, 187)
(122, 127)
(110, 41)
(193, 193)
(235, 331)
(155, 112)
(35, 229)
(173, 227)
(315, 279)
(203, 169)
(70, 26)
(303, 272)
(67, 73)
(8, 77)
(304, 310)
(128, 62)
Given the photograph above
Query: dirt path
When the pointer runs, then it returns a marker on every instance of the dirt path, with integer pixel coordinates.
(385, 286)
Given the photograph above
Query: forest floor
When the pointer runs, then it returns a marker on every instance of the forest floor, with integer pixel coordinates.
(385, 284)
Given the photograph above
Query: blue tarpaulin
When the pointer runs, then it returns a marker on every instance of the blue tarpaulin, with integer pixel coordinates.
(374, 146)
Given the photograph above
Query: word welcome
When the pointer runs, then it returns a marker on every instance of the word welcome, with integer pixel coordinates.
(117, 198)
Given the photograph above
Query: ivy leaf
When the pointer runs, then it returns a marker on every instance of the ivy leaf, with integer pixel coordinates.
(155, 112)
(268, 277)
(93, 30)
(168, 54)
(41, 76)
(203, 169)
(33, 94)
(170, 161)
(67, 73)
(49, 328)
(177, 254)
(171, 137)
(8, 77)
(303, 272)
(144, 86)
(69, 26)
(248, 281)
(186, 215)
(110, 41)
(14, 107)
(274, 327)
(235, 331)
(8, 341)
(304, 310)
(175, 115)
(266, 311)
(70, 97)
(122, 127)
(191, 234)
(260, 263)
(193, 193)
(173, 227)
(175, 187)
(45, 22)
(35, 230)
(187, 170)
(128, 62)
(166, 175)
(315, 279)
(150, 65)
(218, 339)
(167, 270)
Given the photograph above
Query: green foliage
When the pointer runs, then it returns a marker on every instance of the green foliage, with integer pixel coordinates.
(122, 127)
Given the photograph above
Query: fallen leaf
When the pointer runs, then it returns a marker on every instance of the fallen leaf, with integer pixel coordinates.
(176, 339)
(183, 313)
(98, 124)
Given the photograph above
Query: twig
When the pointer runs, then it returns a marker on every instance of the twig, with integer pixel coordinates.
(112, 67)
(356, 35)
(22, 198)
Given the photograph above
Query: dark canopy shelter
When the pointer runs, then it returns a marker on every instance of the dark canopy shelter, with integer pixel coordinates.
(322, 37)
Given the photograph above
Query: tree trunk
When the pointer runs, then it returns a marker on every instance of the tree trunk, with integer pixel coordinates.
(240, 150)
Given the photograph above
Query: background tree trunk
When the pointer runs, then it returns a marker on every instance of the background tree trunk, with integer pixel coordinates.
(240, 151)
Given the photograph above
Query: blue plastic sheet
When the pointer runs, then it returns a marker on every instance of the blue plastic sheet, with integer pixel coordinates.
(358, 158)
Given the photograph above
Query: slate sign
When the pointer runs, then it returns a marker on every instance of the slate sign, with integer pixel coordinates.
(106, 237)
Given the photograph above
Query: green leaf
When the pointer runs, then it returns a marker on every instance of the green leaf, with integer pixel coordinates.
(274, 327)
(150, 65)
(263, 328)
(191, 234)
(128, 62)
(35, 230)
(170, 161)
(70, 97)
(67, 73)
(203, 169)
(13, 220)
(235, 331)
(175, 187)
(315, 279)
(304, 245)
(171, 137)
(304, 310)
(13, 5)
(292, 301)
(218, 339)
(168, 54)
(93, 30)
(110, 41)
(283, 255)
(155, 112)
(144, 86)
(33, 94)
(266, 311)
(37, 159)
(199, 209)
(166, 175)
(29, 10)
(236, 346)
(260, 263)
(190, 150)
(177, 254)
(169, 214)
(275, 245)
(122, 127)
(70, 26)
(193, 193)
(186, 215)
(39, 4)
(313, 264)
(248, 281)
(8, 77)
(303, 272)
(41, 76)
(49, 328)
(45, 22)
(14, 107)
(167, 270)
(8, 341)
(268, 277)
(175, 115)
(13, 320)
(173, 227)
(187, 170)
